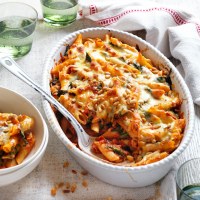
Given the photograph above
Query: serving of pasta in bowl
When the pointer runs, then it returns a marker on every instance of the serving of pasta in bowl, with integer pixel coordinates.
(23, 136)
(127, 95)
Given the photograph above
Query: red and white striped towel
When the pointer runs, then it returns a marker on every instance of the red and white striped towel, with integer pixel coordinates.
(173, 31)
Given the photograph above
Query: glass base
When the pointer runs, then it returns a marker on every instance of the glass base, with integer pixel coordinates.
(58, 24)
(15, 52)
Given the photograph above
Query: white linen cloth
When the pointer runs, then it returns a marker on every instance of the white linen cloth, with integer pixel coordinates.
(171, 30)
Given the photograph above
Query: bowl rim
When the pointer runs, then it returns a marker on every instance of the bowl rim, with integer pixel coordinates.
(44, 140)
(50, 115)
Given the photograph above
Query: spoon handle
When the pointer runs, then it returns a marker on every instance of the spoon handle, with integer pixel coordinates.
(14, 68)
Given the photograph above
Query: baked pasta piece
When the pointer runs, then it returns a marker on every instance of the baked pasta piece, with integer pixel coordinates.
(16, 138)
(120, 97)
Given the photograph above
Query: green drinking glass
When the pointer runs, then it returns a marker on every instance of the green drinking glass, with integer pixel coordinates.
(17, 26)
(188, 180)
(59, 13)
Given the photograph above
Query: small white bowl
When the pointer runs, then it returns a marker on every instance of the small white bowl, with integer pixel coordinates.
(12, 102)
(120, 175)
(16, 175)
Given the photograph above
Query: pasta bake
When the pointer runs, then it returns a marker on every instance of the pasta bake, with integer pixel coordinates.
(119, 96)
(16, 138)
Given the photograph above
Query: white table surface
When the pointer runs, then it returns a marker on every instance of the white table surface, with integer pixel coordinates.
(37, 185)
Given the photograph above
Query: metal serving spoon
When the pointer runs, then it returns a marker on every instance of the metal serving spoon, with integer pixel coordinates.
(84, 140)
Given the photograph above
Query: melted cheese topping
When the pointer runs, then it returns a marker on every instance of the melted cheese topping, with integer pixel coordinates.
(16, 138)
(4, 135)
(111, 88)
